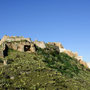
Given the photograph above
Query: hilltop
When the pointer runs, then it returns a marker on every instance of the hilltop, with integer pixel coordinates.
(35, 65)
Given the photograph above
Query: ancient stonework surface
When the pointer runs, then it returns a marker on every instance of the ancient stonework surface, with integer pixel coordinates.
(69, 53)
(58, 44)
(22, 46)
(16, 43)
(33, 49)
(3, 50)
(40, 44)
(13, 38)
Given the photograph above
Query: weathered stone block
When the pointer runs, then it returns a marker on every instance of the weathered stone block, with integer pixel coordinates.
(40, 44)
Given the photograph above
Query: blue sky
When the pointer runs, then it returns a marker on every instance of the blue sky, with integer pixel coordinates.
(65, 21)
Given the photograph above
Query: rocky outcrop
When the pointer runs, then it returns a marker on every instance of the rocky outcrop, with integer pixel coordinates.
(40, 44)
(62, 49)
(70, 53)
(75, 55)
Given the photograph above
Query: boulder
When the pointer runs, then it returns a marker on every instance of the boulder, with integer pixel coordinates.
(40, 44)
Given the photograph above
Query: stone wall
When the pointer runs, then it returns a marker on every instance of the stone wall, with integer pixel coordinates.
(24, 46)
(12, 38)
(70, 53)
(58, 44)
(3, 50)
(16, 43)
(21, 46)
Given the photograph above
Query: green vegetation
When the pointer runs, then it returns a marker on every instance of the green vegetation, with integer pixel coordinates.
(47, 69)
(0, 46)
(1, 60)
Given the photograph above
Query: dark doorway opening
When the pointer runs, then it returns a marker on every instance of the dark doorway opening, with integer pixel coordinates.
(5, 52)
(27, 48)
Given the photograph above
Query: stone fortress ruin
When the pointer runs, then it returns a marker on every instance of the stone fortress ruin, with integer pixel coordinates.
(16, 43)
(26, 45)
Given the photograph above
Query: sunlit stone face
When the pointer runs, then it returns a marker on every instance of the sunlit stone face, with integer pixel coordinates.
(88, 65)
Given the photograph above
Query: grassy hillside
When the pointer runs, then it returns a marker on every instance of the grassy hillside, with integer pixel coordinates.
(47, 69)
